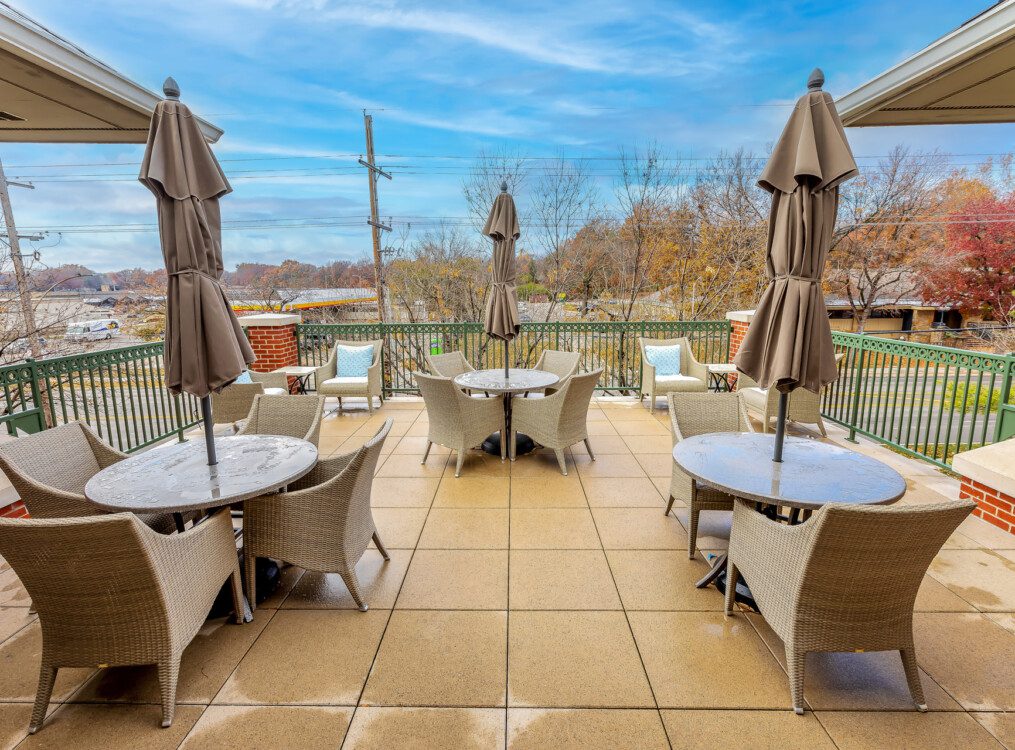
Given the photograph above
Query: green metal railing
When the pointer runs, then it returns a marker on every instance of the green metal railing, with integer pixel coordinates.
(119, 392)
(612, 346)
(927, 401)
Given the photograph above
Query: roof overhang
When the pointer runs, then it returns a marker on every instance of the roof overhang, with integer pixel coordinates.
(967, 76)
(51, 91)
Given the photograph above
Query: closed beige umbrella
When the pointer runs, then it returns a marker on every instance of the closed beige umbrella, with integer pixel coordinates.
(205, 347)
(501, 320)
(789, 342)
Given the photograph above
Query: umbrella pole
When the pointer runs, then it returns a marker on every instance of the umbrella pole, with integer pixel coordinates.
(780, 427)
(209, 430)
(507, 360)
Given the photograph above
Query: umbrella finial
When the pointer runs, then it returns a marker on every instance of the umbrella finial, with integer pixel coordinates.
(171, 89)
(503, 186)
(816, 81)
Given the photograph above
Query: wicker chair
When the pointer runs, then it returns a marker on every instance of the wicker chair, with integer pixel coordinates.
(329, 384)
(110, 591)
(846, 580)
(294, 416)
(698, 414)
(693, 375)
(232, 404)
(457, 421)
(448, 365)
(804, 406)
(49, 471)
(562, 364)
(323, 522)
(557, 421)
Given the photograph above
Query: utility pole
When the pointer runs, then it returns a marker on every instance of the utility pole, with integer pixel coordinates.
(14, 242)
(376, 227)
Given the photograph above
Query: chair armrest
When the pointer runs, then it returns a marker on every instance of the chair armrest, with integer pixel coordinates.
(374, 377)
(193, 565)
(480, 408)
(324, 469)
(526, 409)
(695, 368)
(648, 370)
(745, 381)
(771, 554)
(327, 370)
(105, 454)
(270, 379)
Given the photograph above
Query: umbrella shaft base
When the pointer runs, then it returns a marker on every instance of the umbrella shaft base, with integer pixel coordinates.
(523, 444)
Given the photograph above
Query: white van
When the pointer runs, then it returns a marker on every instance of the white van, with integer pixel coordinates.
(93, 330)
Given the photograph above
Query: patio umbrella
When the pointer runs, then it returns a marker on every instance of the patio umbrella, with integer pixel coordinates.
(789, 342)
(501, 320)
(205, 347)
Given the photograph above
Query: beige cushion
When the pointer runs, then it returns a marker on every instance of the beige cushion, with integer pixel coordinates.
(275, 391)
(678, 383)
(345, 381)
(754, 398)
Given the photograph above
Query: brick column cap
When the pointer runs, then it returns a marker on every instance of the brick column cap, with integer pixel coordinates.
(740, 316)
(992, 465)
(269, 320)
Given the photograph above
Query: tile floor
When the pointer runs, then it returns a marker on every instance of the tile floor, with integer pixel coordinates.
(527, 609)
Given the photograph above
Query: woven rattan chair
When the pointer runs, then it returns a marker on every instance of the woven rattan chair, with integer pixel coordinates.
(329, 384)
(449, 365)
(846, 580)
(559, 420)
(112, 592)
(294, 416)
(804, 406)
(457, 421)
(232, 404)
(562, 364)
(693, 375)
(49, 471)
(698, 414)
(323, 522)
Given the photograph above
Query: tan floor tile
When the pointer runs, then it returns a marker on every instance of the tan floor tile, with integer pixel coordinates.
(646, 444)
(663, 486)
(985, 534)
(639, 492)
(465, 528)
(553, 528)
(328, 444)
(413, 445)
(399, 528)
(424, 728)
(871, 731)
(456, 579)
(969, 656)
(269, 727)
(419, 428)
(1001, 725)
(936, 597)
(1005, 619)
(14, 718)
(984, 578)
(701, 660)
(656, 464)
(554, 491)
(713, 527)
(609, 465)
(370, 428)
(539, 464)
(12, 619)
(206, 664)
(578, 729)
(602, 445)
(307, 657)
(574, 659)
(958, 540)
(641, 427)
(473, 492)
(289, 577)
(595, 429)
(478, 464)
(638, 528)
(433, 658)
(561, 579)
(379, 581)
(662, 579)
(403, 492)
(339, 426)
(758, 730)
(404, 465)
(873, 681)
(20, 656)
(112, 727)
(357, 440)
(12, 593)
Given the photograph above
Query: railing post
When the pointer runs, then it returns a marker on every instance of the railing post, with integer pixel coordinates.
(857, 377)
(44, 419)
(1002, 402)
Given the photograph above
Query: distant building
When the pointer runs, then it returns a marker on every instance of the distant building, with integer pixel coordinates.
(245, 300)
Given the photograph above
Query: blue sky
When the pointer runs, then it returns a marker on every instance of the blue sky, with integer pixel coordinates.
(287, 80)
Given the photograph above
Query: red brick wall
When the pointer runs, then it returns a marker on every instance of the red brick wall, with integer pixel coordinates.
(14, 510)
(275, 346)
(993, 505)
(737, 336)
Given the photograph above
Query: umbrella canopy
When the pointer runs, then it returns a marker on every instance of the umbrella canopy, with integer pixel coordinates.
(501, 320)
(789, 342)
(205, 347)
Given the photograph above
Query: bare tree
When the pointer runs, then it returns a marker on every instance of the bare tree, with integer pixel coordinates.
(486, 176)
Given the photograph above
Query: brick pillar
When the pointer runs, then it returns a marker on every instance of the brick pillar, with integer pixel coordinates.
(16, 509)
(740, 320)
(273, 338)
(993, 505)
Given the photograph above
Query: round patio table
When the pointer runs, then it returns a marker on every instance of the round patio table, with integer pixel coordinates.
(177, 478)
(517, 381)
(812, 474)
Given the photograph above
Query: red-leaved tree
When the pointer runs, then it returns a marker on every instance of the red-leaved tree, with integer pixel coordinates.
(980, 238)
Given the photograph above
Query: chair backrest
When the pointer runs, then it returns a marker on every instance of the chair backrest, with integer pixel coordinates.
(293, 416)
(377, 344)
(701, 413)
(864, 564)
(683, 342)
(448, 365)
(95, 574)
(60, 457)
(442, 400)
(562, 364)
(361, 469)
(233, 402)
(576, 395)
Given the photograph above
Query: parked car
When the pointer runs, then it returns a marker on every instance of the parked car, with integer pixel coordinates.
(93, 330)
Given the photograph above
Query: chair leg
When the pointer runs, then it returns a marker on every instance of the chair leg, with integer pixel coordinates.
(169, 673)
(732, 574)
(352, 583)
(913, 677)
(504, 451)
(47, 676)
(795, 661)
(370, 404)
(426, 453)
(692, 530)
(237, 586)
(250, 568)
(560, 461)
(588, 447)
(513, 444)
(459, 462)
(380, 546)
(669, 507)
(821, 428)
